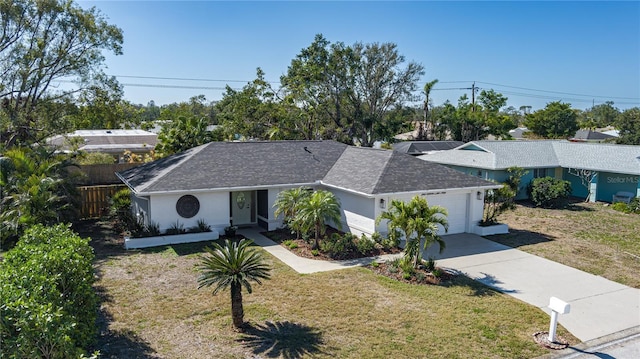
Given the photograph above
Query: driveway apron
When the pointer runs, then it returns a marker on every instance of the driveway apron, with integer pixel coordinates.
(599, 306)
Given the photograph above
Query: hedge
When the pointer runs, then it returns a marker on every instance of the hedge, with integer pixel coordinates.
(48, 307)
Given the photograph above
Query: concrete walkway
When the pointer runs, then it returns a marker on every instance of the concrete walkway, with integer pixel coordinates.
(599, 307)
(306, 265)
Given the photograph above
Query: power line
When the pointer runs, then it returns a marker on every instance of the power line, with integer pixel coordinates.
(558, 92)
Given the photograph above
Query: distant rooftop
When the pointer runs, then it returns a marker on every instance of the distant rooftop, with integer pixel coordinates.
(106, 140)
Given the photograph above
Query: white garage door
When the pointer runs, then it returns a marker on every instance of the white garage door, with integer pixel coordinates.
(456, 205)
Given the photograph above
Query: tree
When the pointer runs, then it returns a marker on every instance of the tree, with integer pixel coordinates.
(629, 125)
(316, 211)
(418, 222)
(35, 188)
(601, 115)
(233, 266)
(288, 203)
(429, 126)
(380, 82)
(182, 134)
(556, 120)
(255, 112)
(347, 90)
(41, 43)
(586, 178)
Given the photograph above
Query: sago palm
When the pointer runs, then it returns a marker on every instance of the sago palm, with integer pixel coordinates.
(316, 211)
(234, 265)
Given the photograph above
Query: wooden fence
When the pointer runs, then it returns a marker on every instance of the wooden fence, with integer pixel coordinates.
(95, 199)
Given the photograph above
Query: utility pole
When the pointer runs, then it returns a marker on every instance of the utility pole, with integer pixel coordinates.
(473, 96)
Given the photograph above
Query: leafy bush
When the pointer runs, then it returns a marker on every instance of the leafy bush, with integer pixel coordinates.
(315, 252)
(47, 302)
(96, 158)
(339, 246)
(621, 207)
(634, 205)
(430, 265)
(549, 192)
(364, 245)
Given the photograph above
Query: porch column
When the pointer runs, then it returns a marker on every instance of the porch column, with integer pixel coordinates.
(593, 192)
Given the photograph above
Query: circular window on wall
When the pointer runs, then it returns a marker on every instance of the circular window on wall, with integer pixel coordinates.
(187, 206)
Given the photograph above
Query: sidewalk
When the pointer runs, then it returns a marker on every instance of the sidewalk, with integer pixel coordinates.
(624, 344)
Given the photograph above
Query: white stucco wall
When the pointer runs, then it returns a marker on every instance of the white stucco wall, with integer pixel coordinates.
(358, 212)
(464, 207)
(214, 209)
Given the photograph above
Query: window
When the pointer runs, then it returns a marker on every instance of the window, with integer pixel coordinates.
(539, 173)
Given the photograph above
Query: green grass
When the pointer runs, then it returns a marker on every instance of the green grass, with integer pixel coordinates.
(350, 313)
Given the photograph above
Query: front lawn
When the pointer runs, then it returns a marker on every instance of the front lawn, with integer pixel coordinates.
(587, 236)
(152, 308)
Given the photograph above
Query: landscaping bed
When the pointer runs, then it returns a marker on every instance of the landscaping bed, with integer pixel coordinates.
(304, 248)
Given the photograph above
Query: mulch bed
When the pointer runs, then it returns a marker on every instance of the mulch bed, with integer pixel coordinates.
(304, 250)
(542, 338)
(422, 276)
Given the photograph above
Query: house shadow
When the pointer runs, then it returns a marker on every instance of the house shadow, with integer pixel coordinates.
(121, 343)
(282, 339)
(519, 237)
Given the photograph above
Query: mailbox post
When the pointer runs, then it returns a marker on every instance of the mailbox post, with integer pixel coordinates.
(557, 306)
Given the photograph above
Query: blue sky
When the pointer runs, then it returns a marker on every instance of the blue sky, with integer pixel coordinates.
(577, 52)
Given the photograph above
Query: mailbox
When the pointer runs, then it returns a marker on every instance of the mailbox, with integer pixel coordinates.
(559, 306)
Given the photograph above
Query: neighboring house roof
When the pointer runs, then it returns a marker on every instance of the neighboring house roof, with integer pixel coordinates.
(499, 155)
(107, 140)
(423, 147)
(518, 133)
(588, 135)
(219, 165)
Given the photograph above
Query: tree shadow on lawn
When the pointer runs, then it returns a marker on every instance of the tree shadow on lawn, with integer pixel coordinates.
(282, 339)
(519, 237)
(121, 343)
(573, 204)
(481, 287)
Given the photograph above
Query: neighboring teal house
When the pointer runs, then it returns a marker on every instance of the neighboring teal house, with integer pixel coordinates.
(617, 167)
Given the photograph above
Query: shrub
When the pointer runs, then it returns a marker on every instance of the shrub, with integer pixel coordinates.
(634, 205)
(47, 302)
(621, 207)
(176, 228)
(339, 246)
(287, 242)
(364, 245)
(549, 192)
(293, 245)
(203, 226)
(153, 228)
(430, 265)
(315, 252)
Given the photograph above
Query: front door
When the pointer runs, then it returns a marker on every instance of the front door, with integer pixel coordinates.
(243, 208)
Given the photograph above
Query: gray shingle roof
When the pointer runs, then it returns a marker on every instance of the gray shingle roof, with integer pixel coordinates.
(254, 164)
(420, 147)
(499, 155)
(378, 171)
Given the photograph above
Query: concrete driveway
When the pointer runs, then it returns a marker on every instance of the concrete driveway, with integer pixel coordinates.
(599, 306)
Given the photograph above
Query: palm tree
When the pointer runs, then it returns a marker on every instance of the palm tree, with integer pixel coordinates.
(417, 221)
(233, 266)
(314, 213)
(428, 126)
(425, 225)
(287, 204)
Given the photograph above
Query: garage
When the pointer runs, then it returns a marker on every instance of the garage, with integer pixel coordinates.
(457, 205)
